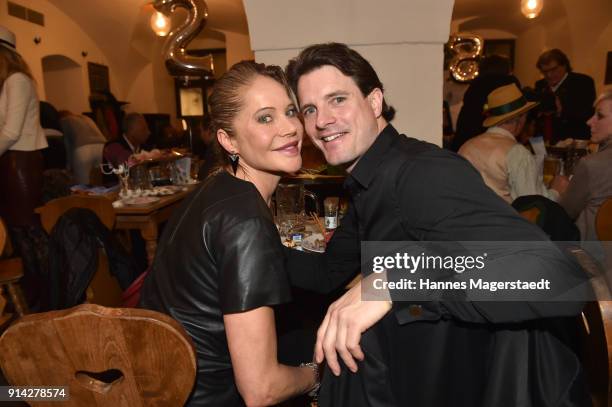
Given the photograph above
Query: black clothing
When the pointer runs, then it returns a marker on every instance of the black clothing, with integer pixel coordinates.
(449, 353)
(469, 122)
(577, 95)
(552, 219)
(220, 253)
(112, 147)
(73, 258)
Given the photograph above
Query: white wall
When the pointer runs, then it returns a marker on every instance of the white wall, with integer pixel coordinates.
(403, 41)
(64, 97)
(60, 36)
(583, 31)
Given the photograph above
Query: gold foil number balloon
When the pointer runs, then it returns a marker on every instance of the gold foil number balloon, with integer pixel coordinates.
(175, 55)
(465, 50)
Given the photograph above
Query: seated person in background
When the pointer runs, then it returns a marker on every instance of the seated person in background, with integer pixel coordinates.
(494, 71)
(506, 166)
(219, 267)
(84, 144)
(135, 134)
(55, 155)
(591, 184)
(566, 97)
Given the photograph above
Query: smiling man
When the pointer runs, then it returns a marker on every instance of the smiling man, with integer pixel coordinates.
(440, 353)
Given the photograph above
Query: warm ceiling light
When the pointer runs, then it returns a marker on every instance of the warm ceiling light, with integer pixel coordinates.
(531, 8)
(160, 24)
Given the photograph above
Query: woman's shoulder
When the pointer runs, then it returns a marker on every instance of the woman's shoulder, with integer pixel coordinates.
(19, 77)
(232, 196)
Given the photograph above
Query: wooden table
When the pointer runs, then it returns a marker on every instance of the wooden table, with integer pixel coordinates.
(147, 218)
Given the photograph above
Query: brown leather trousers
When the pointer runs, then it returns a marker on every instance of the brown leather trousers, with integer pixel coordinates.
(21, 182)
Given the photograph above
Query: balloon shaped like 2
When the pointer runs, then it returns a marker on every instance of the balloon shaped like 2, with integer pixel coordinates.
(466, 50)
(177, 61)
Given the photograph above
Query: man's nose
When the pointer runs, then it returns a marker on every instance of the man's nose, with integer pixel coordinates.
(325, 117)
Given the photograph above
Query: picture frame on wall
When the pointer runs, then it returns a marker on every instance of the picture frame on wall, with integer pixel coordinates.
(503, 47)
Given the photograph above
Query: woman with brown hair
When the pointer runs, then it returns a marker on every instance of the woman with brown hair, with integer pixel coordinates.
(21, 165)
(21, 137)
(219, 267)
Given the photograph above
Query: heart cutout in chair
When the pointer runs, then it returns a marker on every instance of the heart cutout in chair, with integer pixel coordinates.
(100, 382)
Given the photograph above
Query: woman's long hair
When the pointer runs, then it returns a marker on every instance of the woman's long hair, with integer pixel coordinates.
(11, 62)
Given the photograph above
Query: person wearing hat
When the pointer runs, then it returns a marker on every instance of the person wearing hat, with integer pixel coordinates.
(21, 162)
(506, 166)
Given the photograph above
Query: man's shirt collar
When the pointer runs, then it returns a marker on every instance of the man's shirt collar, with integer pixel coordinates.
(554, 88)
(365, 169)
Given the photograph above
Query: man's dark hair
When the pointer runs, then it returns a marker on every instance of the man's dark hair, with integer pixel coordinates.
(343, 58)
(554, 55)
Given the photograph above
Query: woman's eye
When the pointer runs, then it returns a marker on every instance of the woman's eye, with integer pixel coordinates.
(266, 118)
(292, 112)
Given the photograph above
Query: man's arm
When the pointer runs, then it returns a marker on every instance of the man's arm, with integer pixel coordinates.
(523, 176)
(324, 273)
(454, 205)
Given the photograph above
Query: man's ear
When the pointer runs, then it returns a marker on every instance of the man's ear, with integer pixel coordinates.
(226, 142)
(375, 98)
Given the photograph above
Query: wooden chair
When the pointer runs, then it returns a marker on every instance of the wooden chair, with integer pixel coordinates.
(596, 333)
(11, 271)
(104, 288)
(105, 356)
(603, 221)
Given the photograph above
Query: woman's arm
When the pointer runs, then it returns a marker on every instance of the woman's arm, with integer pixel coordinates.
(576, 196)
(261, 380)
(18, 93)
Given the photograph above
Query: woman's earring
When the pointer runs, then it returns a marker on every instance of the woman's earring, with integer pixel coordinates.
(234, 159)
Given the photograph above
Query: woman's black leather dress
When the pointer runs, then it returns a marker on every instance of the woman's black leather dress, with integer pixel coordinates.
(220, 253)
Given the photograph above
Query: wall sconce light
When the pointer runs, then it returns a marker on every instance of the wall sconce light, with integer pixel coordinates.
(37, 40)
(84, 54)
(160, 24)
(531, 8)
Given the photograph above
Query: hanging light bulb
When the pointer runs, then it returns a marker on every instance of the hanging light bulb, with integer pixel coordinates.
(160, 24)
(531, 8)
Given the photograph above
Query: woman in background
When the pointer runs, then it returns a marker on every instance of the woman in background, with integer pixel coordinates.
(591, 184)
(21, 137)
(21, 165)
(219, 267)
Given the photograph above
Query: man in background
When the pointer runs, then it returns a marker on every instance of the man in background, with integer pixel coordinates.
(566, 98)
(84, 144)
(135, 133)
(506, 166)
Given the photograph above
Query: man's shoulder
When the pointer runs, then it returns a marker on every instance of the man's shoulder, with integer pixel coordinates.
(579, 78)
(415, 155)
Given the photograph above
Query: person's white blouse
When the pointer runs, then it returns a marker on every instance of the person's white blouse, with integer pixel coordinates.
(20, 128)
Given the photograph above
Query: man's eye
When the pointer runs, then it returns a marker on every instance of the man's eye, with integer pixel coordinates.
(339, 99)
(308, 111)
(266, 118)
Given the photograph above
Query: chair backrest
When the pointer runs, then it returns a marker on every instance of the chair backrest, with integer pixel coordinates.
(603, 221)
(3, 236)
(104, 288)
(53, 210)
(105, 356)
(596, 332)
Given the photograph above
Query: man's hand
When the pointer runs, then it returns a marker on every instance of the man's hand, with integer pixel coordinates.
(559, 183)
(345, 321)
